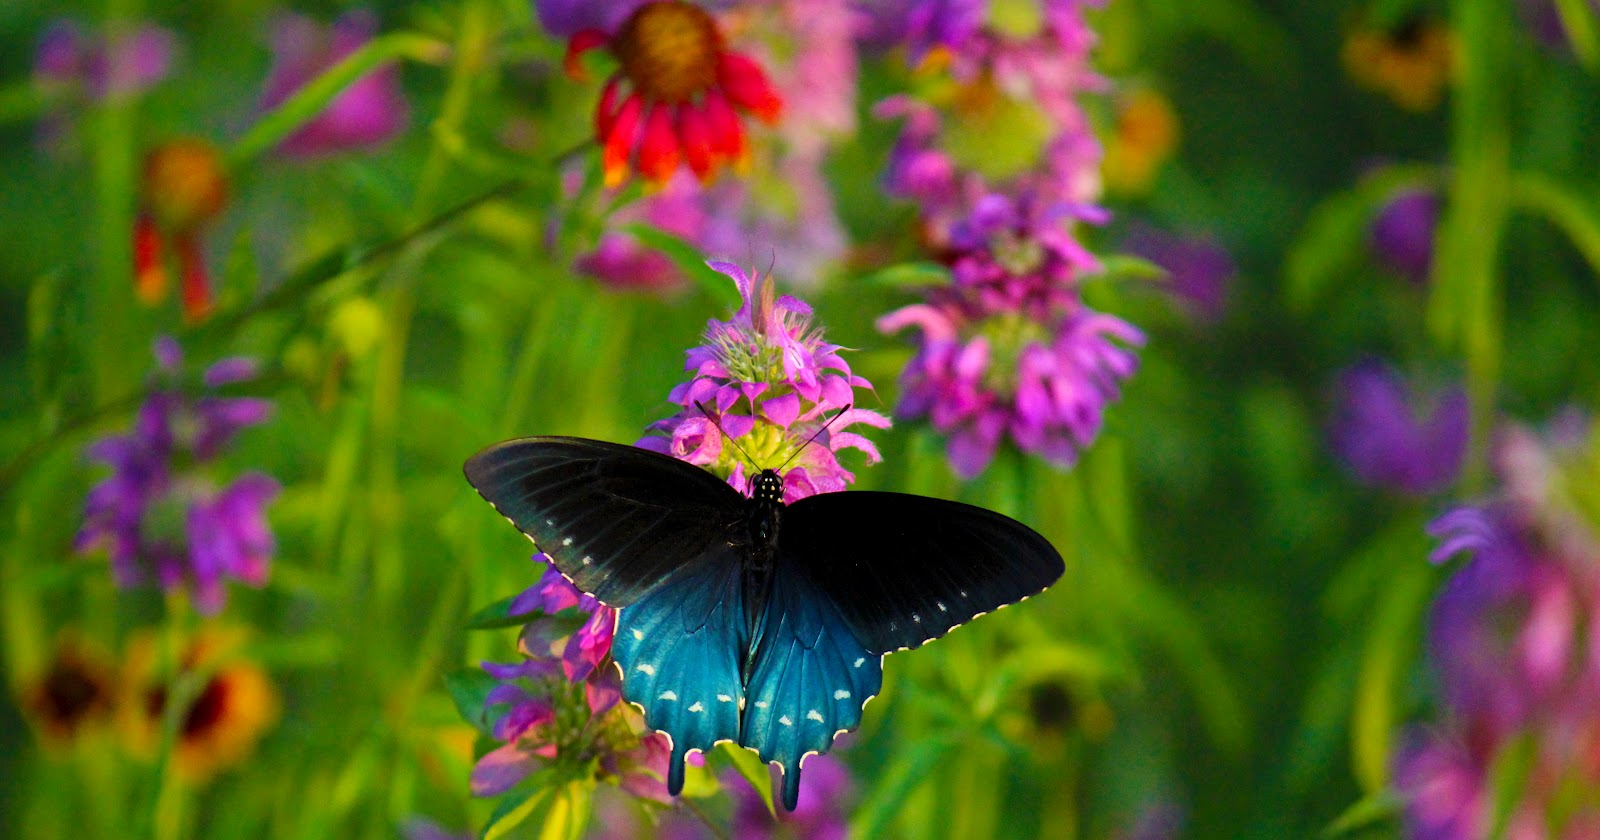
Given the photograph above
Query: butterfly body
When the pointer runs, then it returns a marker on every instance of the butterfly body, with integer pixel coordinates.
(745, 619)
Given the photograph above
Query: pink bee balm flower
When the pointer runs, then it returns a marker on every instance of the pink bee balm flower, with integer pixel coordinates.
(771, 382)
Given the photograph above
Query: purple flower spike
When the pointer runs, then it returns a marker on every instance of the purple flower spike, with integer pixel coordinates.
(1402, 234)
(820, 813)
(164, 522)
(1388, 437)
(771, 382)
(1009, 350)
(366, 114)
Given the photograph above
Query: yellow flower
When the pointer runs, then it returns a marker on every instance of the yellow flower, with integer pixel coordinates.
(74, 694)
(1410, 64)
(1144, 138)
(232, 702)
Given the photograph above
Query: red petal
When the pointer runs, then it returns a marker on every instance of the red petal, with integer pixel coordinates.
(727, 136)
(619, 143)
(695, 135)
(149, 273)
(605, 114)
(747, 85)
(658, 147)
(196, 285)
(581, 43)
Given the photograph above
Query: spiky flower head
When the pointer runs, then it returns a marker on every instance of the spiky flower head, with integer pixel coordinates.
(161, 514)
(768, 378)
(1009, 351)
(1508, 639)
(561, 701)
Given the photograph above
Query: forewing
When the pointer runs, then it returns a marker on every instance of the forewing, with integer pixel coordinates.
(679, 648)
(903, 570)
(617, 520)
(810, 678)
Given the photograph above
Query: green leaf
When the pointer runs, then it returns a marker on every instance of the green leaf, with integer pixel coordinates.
(1508, 777)
(469, 688)
(1365, 813)
(688, 260)
(901, 779)
(514, 808)
(1578, 20)
(1570, 211)
(1121, 268)
(566, 814)
(314, 96)
(910, 275)
(498, 615)
(1390, 650)
(747, 764)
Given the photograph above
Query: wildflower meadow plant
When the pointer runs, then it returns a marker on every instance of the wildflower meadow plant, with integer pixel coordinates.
(1506, 640)
(161, 515)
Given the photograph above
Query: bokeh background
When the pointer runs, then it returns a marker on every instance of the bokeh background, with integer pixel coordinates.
(1354, 246)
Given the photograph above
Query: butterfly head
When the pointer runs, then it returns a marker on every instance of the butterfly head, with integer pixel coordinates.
(767, 486)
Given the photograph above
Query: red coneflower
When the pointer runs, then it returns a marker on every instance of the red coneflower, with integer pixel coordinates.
(184, 188)
(674, 95)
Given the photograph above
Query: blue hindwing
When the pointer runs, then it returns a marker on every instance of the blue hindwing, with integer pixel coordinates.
(810, 681)
(679, 649)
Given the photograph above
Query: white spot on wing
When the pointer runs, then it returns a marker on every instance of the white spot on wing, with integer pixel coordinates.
(697, 707)
(786, 721)
(567, 541)
(941, 606)
(762, 704)
(841, 694)
(646, 669)
(668, 695)
(814, 715)
(916, 618)
(724, 698)
(859, 661)
(587, 560)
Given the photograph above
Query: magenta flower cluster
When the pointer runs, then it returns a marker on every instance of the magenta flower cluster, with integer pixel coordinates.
(771, 382)
(161, 515)
(369, 112)
(1508, 639)
(536, 712)
(1009, 350)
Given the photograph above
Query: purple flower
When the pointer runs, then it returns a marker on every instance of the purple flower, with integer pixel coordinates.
(821, 812)
(122, 63)
(1444, 789)
(1199, 270)
(921, 25)
(1389, 436)
(1009, 350)
(1402, 234)
(163, 520)
(367, 113)
(1543, 20)
(771, 382)
(565, 18)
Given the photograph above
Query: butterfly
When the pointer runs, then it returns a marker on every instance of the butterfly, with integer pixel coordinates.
(745, 619)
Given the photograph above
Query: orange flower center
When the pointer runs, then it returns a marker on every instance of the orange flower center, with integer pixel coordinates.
(185, 184)
(669, 50)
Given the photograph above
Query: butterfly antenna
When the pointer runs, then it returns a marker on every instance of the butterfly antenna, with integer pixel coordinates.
(815, 434)
(713, 419)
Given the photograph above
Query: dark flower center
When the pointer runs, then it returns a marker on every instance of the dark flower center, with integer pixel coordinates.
(1052, 707)
(669, 50)
(204, 714)
(70, 693)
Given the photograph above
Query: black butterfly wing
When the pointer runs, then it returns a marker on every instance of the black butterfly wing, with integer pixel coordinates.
(811, 676)
(617, 520)
(903, 570)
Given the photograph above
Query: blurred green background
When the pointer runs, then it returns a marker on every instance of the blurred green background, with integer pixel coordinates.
(1238, 638)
